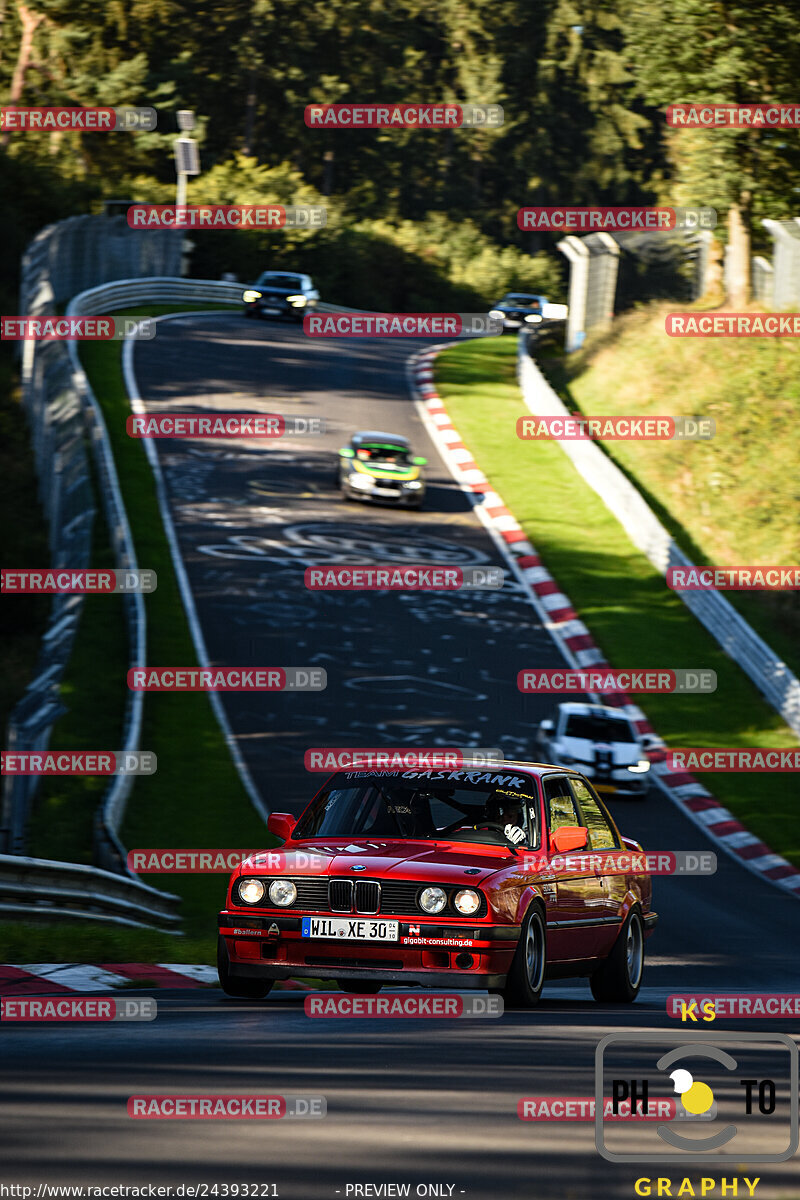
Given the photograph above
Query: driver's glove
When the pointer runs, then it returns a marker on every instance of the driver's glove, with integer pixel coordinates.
(514, 834)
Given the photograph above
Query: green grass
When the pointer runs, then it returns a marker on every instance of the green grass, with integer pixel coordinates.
(634, 618)
(734, 499)
(31, 942)
(24, 618)
(195, 799)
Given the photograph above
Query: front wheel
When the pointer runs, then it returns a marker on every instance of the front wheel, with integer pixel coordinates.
(620, 977)
(525, 980)
(242, 989)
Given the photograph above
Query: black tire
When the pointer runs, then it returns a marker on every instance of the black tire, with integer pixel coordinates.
(359, 987)
(242, 989)
(523, 988)
(618, 980)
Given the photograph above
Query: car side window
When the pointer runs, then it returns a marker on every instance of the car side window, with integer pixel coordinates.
(561, 809)
(601, 835)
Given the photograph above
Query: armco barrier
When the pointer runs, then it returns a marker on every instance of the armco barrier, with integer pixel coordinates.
(36, 887)
(770, 675)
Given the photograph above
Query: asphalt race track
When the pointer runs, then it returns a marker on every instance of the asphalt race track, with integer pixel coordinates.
(417, 1102)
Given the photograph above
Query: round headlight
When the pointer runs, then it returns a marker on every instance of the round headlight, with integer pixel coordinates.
(282, 892)
(251, 890)
(467, 901)
(432, 900)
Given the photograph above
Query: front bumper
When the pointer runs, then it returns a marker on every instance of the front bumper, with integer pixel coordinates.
(267, 947)
(402, 497)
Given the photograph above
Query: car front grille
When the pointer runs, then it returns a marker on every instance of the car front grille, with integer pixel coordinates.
(389, 897)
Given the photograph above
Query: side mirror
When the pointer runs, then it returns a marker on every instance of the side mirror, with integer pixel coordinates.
(569, 837)
(545, 727)
(347, 452)
(281, 824)
(419, 462)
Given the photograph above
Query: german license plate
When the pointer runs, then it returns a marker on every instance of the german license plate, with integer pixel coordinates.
(273, 312)
(360, 929)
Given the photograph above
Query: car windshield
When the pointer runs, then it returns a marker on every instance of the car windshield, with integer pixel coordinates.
(521, 301)
(389, 455)
(278, 279)
(599, 729)
(432, 804)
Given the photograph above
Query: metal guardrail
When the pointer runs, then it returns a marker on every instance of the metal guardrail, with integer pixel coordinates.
(31, 887)
(768, 672)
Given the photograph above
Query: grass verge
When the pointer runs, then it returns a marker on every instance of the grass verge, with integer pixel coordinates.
(626, 604)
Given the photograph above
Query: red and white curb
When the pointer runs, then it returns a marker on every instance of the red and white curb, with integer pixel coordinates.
(35, 979)
(572, 636)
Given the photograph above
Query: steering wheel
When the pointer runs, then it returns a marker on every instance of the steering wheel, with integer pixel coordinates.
(463, 823)
(491, 825)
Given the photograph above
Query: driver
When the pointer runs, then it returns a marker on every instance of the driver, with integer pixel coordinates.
(506, 810)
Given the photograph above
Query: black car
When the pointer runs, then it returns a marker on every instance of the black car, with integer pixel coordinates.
(526, 310)
(280, 294)
(380, 466)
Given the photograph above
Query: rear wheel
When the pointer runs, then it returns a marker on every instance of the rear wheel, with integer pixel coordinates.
(242, 989)
(525, 980)
(620, 977)
(358, 987)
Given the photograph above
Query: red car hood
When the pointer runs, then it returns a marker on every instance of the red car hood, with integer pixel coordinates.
(443, 861)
